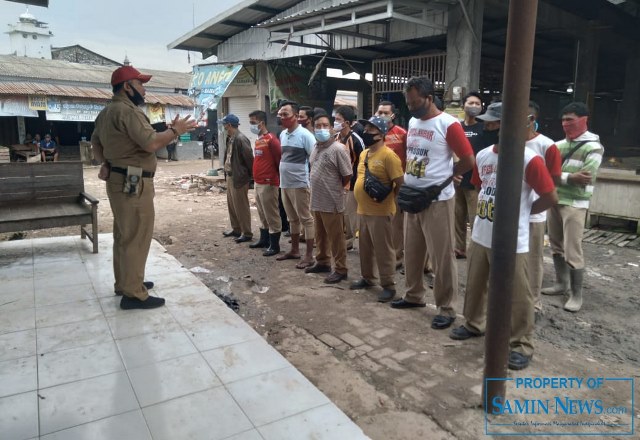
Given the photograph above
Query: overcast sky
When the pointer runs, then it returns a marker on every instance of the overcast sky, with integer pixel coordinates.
(141, 29)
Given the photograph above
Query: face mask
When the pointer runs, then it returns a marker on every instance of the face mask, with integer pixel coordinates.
(472, 111)
(303, 122)
(137, 98)
(337, 126)
(490, 137)
(255, 129)
(322, 135)
(288, 122)
(278, 120)
(574, 128)
(368, 139)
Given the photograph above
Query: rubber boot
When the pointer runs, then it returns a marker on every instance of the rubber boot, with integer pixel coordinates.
(264, 240)
(575, 294)
(274, 246)
(561, 286)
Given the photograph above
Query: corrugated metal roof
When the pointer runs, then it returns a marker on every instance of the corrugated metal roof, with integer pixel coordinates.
(31, 88)
(206, 37)
(22, 68)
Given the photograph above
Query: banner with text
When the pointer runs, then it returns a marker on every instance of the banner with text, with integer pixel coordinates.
(208, 84)
(73, 110)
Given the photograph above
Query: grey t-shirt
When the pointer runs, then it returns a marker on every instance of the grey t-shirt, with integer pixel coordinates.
(296, 150)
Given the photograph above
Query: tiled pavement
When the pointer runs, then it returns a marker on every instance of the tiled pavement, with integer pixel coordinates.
(75, 366)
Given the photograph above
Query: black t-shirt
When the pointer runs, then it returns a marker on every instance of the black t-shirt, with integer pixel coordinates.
(474, 135)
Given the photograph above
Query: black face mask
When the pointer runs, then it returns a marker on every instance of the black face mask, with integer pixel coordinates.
(490, 137)
(137, 98)
(368, 139)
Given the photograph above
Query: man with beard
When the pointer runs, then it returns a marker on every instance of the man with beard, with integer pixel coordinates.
(126, 144)
(432, 140)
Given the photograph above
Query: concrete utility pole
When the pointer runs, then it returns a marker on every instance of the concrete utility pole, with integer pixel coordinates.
(516, 86)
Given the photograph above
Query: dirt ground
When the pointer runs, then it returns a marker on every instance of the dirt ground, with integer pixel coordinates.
(387, 369)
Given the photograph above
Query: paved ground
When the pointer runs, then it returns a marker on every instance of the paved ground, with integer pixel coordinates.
(75, 366)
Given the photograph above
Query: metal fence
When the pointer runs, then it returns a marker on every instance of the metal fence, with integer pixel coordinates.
(390, 75)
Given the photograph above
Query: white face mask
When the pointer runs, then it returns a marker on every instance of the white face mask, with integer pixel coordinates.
(337, 126)
(255, 129)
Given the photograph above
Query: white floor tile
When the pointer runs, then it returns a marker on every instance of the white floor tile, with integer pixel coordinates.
(220, 332)
(127, 426)
(207, 415)
(235, 362)
(17, 287)
(72, 404)
(73, 335)
(173, 378)
(134, 324)
(324, 423)
(19, 416)
(48, 295)
(272, 396)
(188, 294)
(59, 367)
(18, 376)
(17, 320)
(247, 435)
(17, 269)
(153, 348)
(207, 311)
(48, 316)
(17, 345)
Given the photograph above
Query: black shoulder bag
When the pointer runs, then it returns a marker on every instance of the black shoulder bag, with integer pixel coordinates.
(377, 190)
(415, 200)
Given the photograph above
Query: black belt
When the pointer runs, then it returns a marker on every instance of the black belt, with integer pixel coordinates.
(124, 171)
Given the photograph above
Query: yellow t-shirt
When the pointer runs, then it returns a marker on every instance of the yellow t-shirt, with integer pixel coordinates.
(386, 166)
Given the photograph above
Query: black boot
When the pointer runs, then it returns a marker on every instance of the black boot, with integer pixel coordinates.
(274, 246)
(264, 240)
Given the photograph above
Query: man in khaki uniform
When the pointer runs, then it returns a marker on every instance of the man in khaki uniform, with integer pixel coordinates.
(126, 144)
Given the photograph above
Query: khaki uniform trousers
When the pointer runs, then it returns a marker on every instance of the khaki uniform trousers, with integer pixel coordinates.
(397, 231)
(330, 242)
(475, 301)
(268, 209)
(239, 211)
(566, 226)
(297, 202)
(431, 229)
(377, 254)
(466, 206)
(133, 218)
(536, 262)
(351, 217)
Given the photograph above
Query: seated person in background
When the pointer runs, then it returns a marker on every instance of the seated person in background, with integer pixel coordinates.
(48, 149)
(36, 142)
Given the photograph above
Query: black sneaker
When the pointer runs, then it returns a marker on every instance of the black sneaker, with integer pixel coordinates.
(148, 284)
(461, 333)
(386, 295)
(440, 322)
(128, 303)
(518, 361)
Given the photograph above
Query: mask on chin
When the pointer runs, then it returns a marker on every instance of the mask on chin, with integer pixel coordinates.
(136, 97)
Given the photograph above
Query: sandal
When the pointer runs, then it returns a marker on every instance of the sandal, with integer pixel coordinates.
(288, 256)
(304, 264)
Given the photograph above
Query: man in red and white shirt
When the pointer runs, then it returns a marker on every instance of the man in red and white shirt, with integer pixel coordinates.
(545, 148)
(266, 174)
(432, 139)
(535, 178)
(396, 139)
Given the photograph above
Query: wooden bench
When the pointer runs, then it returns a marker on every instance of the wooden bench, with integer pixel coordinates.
(46, 195)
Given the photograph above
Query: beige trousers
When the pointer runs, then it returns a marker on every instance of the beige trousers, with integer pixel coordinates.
(536, 263)
(397, 231)
(350, 218)
(330, 242)
(431, 229)
(238, 206)
(296, 203)
(268, 210)
(377, 254)
(566, 226)
(133, 218)
(466, 205)
(475, 300)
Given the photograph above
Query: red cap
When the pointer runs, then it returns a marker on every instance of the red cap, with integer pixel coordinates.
(126, 73)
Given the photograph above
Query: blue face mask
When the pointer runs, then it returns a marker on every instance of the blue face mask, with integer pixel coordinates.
(322, 135)
(255, 129)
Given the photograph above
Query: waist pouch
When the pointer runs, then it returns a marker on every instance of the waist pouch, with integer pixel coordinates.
(415, 200)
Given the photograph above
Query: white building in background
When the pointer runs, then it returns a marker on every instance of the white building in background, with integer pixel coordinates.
(30, 37)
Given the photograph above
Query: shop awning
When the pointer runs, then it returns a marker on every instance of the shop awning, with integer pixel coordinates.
(42, 89)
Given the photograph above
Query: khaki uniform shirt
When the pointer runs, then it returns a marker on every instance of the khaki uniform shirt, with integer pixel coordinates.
(122, 129)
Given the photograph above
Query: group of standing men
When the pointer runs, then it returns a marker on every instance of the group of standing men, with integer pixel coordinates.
(316, 174)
